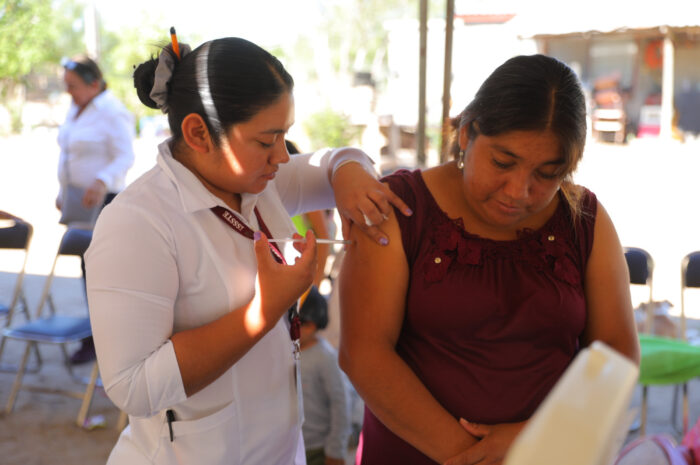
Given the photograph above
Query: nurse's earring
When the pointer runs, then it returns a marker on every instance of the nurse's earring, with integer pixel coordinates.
(460, 160)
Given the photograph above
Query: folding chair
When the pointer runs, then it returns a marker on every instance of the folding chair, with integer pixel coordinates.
(15, 234)
(666, 361)
(55, 329)
(690, 278)
(641, 269)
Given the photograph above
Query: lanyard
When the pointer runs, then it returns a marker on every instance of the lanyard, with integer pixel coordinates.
(229, 218)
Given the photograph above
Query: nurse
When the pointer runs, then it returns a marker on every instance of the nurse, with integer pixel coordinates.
(189, 297)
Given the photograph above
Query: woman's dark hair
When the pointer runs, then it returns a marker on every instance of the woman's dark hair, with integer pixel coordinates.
(532, 93)
(292, 149)
(86, 69)
(243, 79)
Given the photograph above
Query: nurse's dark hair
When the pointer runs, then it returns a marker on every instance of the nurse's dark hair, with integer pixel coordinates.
(532, 93)
(243, 79)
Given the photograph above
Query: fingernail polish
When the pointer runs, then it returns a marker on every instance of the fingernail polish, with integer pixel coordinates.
(257, 235)
(384, 241)
(409, 211)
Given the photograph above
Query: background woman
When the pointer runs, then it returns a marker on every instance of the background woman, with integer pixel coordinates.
(96, 147)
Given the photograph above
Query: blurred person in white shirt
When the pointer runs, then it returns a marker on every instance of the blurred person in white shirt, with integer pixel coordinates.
(96, 147)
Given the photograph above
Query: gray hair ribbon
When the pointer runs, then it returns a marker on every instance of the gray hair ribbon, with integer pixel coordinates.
(164, 71)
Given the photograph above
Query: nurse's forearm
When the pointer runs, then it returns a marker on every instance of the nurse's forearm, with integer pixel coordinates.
(205, 353)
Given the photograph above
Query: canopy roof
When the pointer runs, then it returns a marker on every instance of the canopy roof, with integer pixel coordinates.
(549, 18)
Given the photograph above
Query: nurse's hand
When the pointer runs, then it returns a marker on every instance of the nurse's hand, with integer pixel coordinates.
(363, 200)
(494, 442)
(278, 286)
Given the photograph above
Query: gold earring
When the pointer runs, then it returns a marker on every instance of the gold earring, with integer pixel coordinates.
(460, 160)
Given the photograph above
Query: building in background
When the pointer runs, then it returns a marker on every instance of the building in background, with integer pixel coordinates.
(638, 58)
(483, 38)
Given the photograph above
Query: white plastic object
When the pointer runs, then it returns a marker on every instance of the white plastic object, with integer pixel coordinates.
(585, 418)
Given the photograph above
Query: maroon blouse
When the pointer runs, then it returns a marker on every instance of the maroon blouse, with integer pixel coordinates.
(490, 326)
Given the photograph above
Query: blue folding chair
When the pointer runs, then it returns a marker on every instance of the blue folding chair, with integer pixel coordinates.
(15, 234)
(55, 329)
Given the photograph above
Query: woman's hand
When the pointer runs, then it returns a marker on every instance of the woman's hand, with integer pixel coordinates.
(278, 286)
(363, 200)
(94, 194)
(494, 442)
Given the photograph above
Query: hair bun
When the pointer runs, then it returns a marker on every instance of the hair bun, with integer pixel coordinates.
(144, 76)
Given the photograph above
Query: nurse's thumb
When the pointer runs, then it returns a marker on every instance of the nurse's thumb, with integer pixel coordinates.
(262, 250)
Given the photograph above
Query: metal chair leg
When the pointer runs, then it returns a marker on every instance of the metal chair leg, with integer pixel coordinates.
(684, 408)
(18, 380)
(121, 422)
(645, 397)
(25, 306)
(67, 362)
(5, 368)
(87, 397)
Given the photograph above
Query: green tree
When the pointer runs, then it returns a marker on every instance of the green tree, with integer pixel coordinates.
(24, 41)
(123, 51)
(328, 128)
(356, 28)
(351, 37)
(34, 35)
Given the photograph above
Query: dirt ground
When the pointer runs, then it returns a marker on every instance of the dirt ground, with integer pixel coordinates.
(646, 186)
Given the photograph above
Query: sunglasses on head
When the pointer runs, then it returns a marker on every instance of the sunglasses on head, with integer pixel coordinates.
(85, 72)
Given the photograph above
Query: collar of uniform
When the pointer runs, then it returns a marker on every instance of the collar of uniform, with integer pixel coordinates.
(193, 195)
(101, 100)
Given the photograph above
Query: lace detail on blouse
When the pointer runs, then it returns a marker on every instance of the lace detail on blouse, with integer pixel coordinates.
(545, 249)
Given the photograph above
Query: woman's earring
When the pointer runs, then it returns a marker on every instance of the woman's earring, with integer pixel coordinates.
(460, 160)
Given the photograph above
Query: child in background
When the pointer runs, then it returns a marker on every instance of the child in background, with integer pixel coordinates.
(326, 427)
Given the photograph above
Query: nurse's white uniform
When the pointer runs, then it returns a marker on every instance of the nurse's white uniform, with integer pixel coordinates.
(161, 262)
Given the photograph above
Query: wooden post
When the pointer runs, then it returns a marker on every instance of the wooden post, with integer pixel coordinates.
(667, 79)
(420, 130)
(447, 81)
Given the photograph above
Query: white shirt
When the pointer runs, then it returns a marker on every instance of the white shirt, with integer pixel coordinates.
(161, 262)
(97, 144)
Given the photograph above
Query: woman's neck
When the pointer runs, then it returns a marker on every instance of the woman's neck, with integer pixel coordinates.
(85, 105)
(231, 199)
(446, 185)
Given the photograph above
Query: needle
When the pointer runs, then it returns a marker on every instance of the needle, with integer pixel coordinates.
(318, 241)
